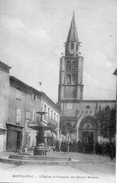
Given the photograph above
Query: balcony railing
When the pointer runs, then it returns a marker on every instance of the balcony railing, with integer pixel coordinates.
(51, 120)
(48, 119)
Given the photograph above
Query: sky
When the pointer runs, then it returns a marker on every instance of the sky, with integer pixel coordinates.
(32, 36)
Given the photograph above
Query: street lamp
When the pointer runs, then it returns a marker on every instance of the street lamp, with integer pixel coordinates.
(68, 142)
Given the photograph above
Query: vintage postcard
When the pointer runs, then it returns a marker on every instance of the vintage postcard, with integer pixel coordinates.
(58, 90)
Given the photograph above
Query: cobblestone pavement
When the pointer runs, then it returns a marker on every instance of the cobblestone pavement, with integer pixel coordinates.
(84, 158)
(91, 168)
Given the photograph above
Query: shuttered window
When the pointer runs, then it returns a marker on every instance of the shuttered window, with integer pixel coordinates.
(18, 115)
(18, 94)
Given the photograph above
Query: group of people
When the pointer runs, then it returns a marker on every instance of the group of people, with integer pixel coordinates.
(66, 146)
(87, 147)
(106, 149)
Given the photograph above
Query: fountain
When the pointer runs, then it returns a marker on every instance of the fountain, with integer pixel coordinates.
(40, 148)
(40, 151)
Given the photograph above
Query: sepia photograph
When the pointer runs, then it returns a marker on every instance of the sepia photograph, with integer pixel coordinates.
(58, 91)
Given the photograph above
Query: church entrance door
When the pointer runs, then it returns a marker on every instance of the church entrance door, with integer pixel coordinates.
(87, 137)
(88, 134)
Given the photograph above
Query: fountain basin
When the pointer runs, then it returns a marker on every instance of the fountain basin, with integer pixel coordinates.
(19, 159)
(38, 158)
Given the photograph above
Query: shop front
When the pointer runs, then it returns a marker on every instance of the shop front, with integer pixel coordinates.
(14, 137)
(2, 139)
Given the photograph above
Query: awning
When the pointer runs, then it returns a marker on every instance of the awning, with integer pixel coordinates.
(47, 133)
(15, 127)
(54, 135)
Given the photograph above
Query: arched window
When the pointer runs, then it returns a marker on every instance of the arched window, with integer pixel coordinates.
(107, 108)
(68, 127)
(73, 79)
(72, 46)
(68, 65)
(88, 107)
(88, 126)
(68, 62)
(68, 79)
(74, 65)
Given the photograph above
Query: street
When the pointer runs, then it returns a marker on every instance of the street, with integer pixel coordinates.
(91, 168)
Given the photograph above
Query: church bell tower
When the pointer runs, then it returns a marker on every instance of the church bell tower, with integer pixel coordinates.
(71, 68)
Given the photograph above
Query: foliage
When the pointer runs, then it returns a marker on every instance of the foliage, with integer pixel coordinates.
(68, 129)
(107, 122)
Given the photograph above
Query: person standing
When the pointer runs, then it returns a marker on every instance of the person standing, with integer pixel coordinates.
(111, 150)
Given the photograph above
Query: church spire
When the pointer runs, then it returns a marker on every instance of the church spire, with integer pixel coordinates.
(72, 43)
(72, 35)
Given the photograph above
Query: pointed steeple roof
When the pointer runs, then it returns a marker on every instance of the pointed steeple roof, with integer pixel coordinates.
(73, 35)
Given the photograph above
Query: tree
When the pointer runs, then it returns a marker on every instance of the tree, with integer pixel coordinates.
(107, 122)
(70, 129)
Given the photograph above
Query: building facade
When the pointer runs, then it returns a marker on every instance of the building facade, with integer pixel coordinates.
(4, 98)
(52, 118)
(20, 104)
(77, 115)
(24, 104)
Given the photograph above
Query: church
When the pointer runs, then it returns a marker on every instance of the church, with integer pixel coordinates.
(77, 119)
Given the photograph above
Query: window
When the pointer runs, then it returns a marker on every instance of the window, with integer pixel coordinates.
(68, 78)
(51, 114)
(88, 107)
(68, 66)
(57, 118)
(48, 113)
(33, 115)
(27, 126)
(74, 62)
(18, 115)
(18, 94)
(34, 97)
(54, 116)
(107, 108)
(73, 79)
(72, 46)
(44, 111)
(28, 115)
(44, 108)
(74, 65)
(76, 46)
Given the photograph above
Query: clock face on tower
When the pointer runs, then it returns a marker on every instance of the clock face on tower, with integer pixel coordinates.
(71, 51)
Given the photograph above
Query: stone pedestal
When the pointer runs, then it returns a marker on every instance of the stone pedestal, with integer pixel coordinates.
(40, 148)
